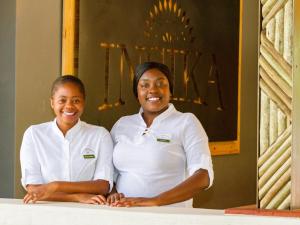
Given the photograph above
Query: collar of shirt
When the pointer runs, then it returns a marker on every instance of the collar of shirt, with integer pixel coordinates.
(161, 116)
(70, 133)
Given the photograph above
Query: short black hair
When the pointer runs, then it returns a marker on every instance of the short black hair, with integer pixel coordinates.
(142, 68)
(67, 79)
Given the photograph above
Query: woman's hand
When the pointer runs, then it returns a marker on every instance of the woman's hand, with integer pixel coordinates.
(29, 198)
(91, 199)
(112, 199)
(38, 192)
(129, 202)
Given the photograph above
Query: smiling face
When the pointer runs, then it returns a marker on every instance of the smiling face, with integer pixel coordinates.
(153, 92)
(67, 103)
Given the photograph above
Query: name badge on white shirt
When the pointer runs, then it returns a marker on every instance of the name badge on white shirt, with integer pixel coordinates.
(88, 153)
(164, 138)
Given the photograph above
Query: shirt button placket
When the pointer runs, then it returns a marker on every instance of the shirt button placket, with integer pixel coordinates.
(67, 172)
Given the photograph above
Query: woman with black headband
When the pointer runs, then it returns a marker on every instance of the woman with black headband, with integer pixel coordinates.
(161, 155)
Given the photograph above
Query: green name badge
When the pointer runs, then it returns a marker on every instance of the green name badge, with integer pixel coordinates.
(89, 156)
(163, 140)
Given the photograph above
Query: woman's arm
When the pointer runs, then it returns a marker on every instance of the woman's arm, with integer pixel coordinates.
(45, 191)
(184, 191)
(92, 187)
(65, 197)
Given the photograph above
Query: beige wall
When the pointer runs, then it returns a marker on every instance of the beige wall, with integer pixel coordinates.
(38, 62)
(38, 50)
(7, 96)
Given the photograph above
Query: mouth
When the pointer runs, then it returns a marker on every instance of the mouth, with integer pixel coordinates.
(69, 113)
(153, 99)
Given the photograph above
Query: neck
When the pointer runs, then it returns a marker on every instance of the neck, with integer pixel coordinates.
(64, 128)
(150, 116)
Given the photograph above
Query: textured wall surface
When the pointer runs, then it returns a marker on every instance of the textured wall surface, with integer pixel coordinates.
(275, 79)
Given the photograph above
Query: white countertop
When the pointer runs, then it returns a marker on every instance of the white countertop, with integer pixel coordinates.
(14, 212)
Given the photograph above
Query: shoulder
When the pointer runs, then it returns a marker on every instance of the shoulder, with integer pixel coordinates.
(39, 127)
(123, 123)
(37, 130)
(190, 117)
(188, 122)
(184, 118)
(125, 120)
(128, 118)
(93, 129)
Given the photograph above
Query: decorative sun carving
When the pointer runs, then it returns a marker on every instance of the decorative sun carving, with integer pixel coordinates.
(168, 22)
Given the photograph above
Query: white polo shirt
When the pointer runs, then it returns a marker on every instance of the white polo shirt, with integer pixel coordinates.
(152, 160)
(83, 154)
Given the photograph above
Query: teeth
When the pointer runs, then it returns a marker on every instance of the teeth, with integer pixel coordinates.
(69, 113)
(153, 99)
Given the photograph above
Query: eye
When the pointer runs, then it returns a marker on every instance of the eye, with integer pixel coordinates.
(144, 85)
(61, 101)
(76, 101)
(161, 83)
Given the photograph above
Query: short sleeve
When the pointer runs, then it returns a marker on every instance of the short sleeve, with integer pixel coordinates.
(113, 134)
(195, 143)
(104, 167)
(30, 165)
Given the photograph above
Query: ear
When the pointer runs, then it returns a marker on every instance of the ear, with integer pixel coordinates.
(51, 103)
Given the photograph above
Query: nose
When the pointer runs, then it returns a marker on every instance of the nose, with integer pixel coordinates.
(153, 88)
(69, 104)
